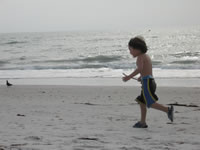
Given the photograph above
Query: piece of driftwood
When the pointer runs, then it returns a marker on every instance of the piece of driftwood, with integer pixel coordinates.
(184, 105)
(87, 104)
(17, 145)
(90, 139)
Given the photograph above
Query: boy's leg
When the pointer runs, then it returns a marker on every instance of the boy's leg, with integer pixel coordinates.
(143, 113)
(142, 122)
(160, 107)
(168, 110)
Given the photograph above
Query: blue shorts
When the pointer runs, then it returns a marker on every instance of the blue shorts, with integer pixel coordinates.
(148, 96)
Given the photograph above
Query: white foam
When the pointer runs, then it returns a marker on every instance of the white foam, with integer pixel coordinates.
(94, 73)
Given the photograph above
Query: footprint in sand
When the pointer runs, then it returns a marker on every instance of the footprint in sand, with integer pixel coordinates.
(88, 143)
(138, 138)
(83, 147)
(181, 129)
(33, 138)
(131, 148)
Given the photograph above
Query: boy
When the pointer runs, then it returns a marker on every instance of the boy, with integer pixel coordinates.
(148, 98)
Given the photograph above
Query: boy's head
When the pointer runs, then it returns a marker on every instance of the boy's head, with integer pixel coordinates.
(137, 46)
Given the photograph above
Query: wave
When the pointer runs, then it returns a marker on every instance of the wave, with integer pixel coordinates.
(154, 62)
(84, 66)
(99, 59)
(185, 62)
(185, 54)
(154, 37)
(99, 39)
(57, 67)
(2, 63)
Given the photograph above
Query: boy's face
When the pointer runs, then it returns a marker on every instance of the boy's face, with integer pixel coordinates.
(134, 52)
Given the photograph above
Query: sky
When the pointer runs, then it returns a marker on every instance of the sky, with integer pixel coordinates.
(69, 15)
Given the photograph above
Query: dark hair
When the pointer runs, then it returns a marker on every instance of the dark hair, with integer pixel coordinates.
(138, 43)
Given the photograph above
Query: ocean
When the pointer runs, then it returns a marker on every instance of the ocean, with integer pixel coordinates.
(175, 53)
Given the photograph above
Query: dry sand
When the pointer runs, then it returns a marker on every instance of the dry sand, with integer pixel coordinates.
(94, 118)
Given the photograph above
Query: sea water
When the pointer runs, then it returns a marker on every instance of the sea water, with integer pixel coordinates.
(175, 53)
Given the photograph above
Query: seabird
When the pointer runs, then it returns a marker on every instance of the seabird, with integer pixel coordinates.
(8, 84)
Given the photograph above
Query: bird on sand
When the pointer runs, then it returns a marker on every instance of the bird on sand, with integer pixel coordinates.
(8, 84)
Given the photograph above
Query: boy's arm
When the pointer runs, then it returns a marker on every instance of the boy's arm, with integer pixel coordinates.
(126, 78)
(139, 67)
(136, 71)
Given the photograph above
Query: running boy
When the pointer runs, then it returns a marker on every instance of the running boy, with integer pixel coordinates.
(148, 98)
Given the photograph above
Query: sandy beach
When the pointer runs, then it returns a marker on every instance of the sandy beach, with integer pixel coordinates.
(62, 67)
(61, 117)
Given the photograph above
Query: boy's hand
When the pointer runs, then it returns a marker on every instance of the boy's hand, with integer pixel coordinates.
(139, 79)
(126, 78)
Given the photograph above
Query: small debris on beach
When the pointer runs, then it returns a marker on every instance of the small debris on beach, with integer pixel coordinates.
(21, 115)
(33, 138)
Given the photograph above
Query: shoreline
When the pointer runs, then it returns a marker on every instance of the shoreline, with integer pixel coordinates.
(161, 82)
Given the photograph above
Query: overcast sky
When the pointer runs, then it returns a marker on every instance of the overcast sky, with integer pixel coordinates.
(64, 15)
